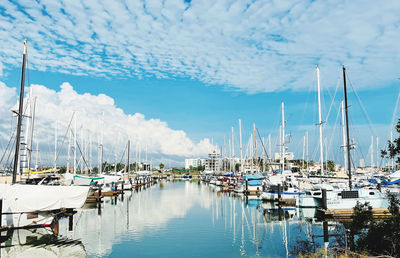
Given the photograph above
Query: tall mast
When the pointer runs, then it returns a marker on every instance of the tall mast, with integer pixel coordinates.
(320, 123)
(100, 150)
(240, 145)
(283, 138)
(269, 147)
(37, 155)
(347, 126)
(304, 150)
(372, 151)
(75, 144)
(68, 151)
(255, 147)
(20, 111)
(55, 146)
(377, 152)
(129, 150)
(307, 149)
(233, 151)
(30, 143)
(344, 137)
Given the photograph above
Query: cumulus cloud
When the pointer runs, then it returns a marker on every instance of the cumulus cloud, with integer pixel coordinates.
(98, 118)
(254, 46)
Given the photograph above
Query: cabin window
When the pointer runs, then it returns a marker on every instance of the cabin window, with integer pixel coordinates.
(317, 193)
(349, 194)
(371, 193)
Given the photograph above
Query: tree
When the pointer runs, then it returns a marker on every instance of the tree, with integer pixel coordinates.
(393, 147)
(237, 166)
(376, 237)
(331, 165)
(161, 165)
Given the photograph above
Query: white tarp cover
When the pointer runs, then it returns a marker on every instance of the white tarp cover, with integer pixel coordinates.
(109, 179)
(31, 198)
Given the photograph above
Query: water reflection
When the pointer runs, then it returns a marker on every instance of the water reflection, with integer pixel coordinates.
(193, 219)
(40, 242)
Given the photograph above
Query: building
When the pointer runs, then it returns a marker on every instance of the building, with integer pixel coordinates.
(214, 162)
(194, 163)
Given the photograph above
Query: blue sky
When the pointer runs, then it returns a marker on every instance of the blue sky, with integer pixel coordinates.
(201, 66)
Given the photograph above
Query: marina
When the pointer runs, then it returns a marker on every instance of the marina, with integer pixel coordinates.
(191, 128)
(172, 215)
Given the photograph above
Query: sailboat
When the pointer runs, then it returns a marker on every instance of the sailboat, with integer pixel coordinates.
(348, 199)
(26, 206)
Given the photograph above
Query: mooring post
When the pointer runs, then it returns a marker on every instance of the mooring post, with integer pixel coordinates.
(325, 228)
(279, 192)
(1, 211)
(71, 222)
(247, 186)
(324, 201)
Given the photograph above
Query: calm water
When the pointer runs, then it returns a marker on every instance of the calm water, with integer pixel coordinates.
(175, 219)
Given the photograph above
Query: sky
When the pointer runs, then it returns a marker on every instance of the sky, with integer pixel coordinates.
(175, 76)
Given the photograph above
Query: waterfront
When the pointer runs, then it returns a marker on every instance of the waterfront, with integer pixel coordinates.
(181, 218)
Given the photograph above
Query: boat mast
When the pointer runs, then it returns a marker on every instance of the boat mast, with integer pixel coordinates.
(283, 138)
(307, 150)
(255, 148)
(55, 146)
(30, 143)
(129, 150)
(75, 144)
(240, 143)
(347, 126)
(372, 151)
(69, 151)
(320, 123)
(269, 148)
(344, 137)
(19, 114)
(233, 151)
(377, 152)
(304, 150)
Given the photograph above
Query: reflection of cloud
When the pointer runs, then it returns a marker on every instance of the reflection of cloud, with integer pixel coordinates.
(149, 211)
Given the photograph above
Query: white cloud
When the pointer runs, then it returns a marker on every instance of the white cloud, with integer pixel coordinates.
(94, 112)
(249, 45)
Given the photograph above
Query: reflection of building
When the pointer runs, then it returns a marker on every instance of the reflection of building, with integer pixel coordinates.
(193, 163)
(288, 156)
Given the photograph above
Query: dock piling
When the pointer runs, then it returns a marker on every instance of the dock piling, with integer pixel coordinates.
(1, 211)
(324, 200)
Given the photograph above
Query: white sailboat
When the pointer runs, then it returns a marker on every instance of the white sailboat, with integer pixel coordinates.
(34, 205)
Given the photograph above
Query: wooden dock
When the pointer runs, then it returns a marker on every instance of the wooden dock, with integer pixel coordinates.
(346, 214)
(94, 199)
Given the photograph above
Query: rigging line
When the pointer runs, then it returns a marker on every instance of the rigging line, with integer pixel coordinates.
(259, 136)
(65, 135)
(362, 107)
(8, 144)
(333, 100)
(394, 112)
(333, 132)
(27, 68)
(123, 154)
(80, 151)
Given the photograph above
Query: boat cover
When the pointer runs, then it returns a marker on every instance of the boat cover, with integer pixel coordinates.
(86, 180)
(384, 182)
(33, 198)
